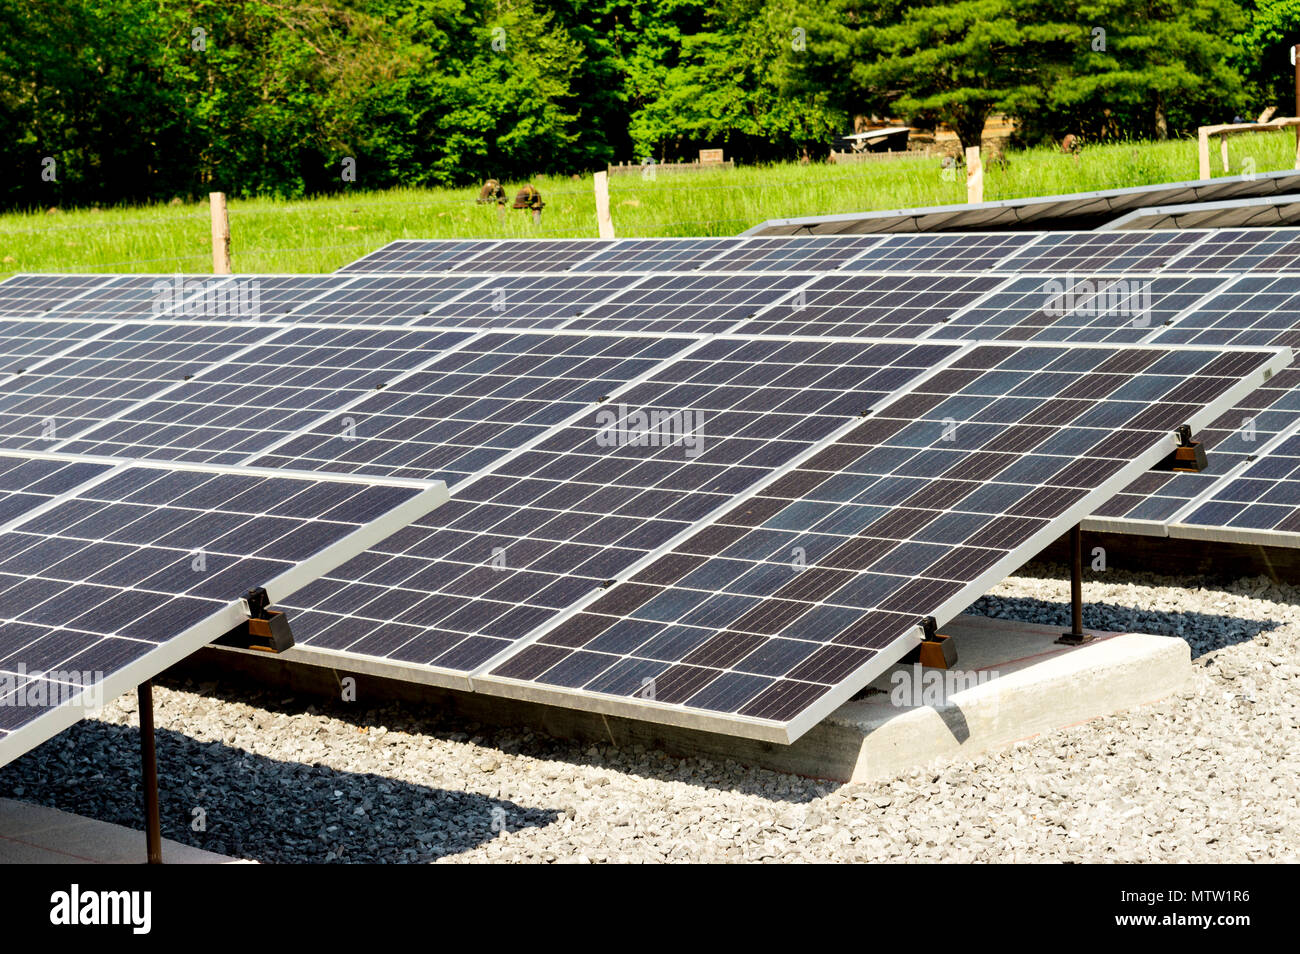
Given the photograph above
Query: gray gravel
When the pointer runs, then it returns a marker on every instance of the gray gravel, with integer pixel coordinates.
(1208, 775)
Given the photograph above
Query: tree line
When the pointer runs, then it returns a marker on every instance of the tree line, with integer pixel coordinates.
(106, 101)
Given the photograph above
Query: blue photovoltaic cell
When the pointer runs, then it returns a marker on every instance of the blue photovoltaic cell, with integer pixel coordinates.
(23, 343)
(1262, 501)
(790, 254)
(1233, 438)
(659, 254)
(64, 395)
(765, 612)
(1244, 250)
(243, 407)
(31, 296)
(133, 297)
(939, 253)
(252, 297)
(464, 411)
(26, 482)
(1252, 312)
(543, 528)
(529, 255)
(700, 303)
(384, 300)
(1118, 309)
(527, 301)
(422, 255)
(1069, 253)
(879, 306)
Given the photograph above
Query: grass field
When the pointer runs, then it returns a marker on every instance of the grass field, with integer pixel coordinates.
(322, 234)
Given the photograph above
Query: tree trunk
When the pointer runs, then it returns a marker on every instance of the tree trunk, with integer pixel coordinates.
(969, 126)
(1162, 123)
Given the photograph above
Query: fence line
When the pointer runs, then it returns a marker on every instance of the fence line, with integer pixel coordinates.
(800, 181)
(243, 255)
(239, 253)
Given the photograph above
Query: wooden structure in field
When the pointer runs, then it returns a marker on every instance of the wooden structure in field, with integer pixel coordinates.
(708, 161)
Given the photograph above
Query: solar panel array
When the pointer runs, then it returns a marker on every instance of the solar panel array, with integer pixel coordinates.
(763, 613)
(717, 482)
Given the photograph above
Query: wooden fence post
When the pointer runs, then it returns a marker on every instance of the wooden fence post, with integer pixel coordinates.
(1202, 153)
(1295, 61)
(220, 233)
(603, 221)
(974, 175)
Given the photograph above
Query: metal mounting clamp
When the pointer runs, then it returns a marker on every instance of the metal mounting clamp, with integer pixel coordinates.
(266, 629)
(1188, 457)
(936, 650)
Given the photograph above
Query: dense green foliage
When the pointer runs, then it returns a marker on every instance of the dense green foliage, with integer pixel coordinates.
(109, 101)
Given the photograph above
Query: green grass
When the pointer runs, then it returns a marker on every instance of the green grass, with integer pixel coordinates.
(322, 234)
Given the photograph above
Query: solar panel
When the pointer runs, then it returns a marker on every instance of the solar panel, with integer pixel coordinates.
(1237, 213)
(1085, 252)
(31, 296)
(110, 583)
(939, 253)
(788, 254)
(532, 255)
(659, 255)
(1258, 504)
(875, 306)
(547, 525)
(697, 303)
(528, 301)
(239, 408)
(384, 300)
(770, 616)
(473, 406)
(420, 255)
(60, 396)
(1115, 309)
(1147, 504)
(1245, 250)
(1079, 210)
(1254, 310)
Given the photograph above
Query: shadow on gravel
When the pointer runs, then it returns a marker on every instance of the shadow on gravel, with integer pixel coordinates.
(255, 807)
(431, 720)
(1204, 632)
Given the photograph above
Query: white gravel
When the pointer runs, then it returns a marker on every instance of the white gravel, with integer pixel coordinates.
(1208, 775)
